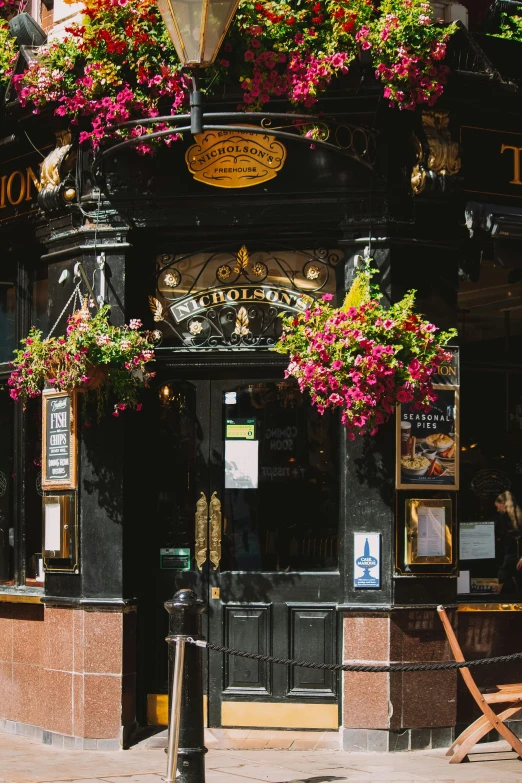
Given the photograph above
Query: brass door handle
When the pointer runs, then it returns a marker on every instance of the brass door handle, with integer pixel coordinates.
(201, 531)
(215, 530)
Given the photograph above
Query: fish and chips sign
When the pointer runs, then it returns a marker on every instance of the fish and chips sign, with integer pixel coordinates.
(230, 159)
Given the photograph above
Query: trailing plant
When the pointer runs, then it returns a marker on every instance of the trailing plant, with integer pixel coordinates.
(118, 64)
(93, 355)
(8, 52)
(510, 27)
(363, 359)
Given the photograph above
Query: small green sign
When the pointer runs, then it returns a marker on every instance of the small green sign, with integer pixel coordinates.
(241, 429)
(175, 559)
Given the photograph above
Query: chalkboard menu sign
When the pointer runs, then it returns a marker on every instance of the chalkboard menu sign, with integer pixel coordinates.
(58, 440)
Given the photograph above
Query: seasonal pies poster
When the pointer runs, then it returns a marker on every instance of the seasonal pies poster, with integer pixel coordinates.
(427, 443)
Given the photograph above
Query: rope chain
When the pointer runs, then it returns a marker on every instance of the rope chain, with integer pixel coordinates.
(356, 667)
(72, 296)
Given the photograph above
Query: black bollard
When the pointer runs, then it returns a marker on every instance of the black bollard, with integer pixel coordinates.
(185, 611)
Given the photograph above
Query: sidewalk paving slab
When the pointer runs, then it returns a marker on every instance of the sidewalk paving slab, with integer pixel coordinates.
(26, 760)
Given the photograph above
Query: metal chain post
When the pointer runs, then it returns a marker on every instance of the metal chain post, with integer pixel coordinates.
(186, 749)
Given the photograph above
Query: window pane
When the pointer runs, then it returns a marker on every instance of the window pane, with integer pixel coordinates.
(7, 311)
(281, 481)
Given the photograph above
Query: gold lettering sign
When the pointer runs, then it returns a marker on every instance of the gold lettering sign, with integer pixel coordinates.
(516, 162)
(284, 298)
(17, 187)
(228, 159)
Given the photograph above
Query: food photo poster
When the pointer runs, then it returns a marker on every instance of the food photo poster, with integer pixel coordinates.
(428, 443)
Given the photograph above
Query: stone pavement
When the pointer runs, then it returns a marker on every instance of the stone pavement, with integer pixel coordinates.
(24, 760)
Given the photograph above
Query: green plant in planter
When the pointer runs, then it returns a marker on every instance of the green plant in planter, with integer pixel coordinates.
(93, 356)
(362, 359)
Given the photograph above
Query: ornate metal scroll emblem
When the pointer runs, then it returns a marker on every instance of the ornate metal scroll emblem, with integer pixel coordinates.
(229, 159)
(439, 158)
(201, 531)
(215, 530)
(56, 188)
(226, 299)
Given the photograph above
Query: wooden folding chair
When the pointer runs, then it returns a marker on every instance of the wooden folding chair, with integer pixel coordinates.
(504, 694)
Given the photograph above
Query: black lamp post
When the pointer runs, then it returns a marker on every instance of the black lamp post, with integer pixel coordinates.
(197, 29)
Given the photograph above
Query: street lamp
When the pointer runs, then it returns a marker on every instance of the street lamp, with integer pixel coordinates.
(197, 29)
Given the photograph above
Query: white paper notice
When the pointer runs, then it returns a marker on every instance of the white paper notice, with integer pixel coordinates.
(241, 464)
(463, 582)
(52, 528)
(431, 534)
(477, 540)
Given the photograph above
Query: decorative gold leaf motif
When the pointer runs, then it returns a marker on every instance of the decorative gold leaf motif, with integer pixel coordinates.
(172, 279)
(312, 273)
(242, 259)
(223, 272)
(259, 269)
(156, 309)
(242, 322)
(195, 327)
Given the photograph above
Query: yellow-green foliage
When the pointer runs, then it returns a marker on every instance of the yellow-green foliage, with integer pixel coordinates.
(359, 292)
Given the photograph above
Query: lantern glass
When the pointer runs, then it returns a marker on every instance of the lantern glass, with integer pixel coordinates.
(197, 27)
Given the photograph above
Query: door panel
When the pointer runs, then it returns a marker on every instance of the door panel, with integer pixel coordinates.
(312, 638)
(247, 629)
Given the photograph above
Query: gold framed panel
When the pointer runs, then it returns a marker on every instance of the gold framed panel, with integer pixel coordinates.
(427, 484)
(72, 481)
(66, 557)
(411, 532)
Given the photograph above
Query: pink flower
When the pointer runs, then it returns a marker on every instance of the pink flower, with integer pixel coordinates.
(249, 55)
(327, 297)
(139, 406)
(135, 323)
(116, 414)
(337, 364)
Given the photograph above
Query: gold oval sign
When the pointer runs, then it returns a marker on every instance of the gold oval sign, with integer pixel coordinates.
(228, 159)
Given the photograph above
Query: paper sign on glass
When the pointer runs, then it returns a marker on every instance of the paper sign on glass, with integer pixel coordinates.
(477, 540)
(241, 464)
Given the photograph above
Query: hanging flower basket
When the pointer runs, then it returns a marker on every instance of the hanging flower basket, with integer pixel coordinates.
(362, 359)
(92, 356)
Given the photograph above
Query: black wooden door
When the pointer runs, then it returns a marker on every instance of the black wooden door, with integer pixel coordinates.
(244, 481)
(274, 578)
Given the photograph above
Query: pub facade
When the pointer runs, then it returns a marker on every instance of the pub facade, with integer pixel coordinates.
(228, 481)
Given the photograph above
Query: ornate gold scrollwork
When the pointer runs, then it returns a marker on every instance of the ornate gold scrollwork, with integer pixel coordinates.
(201, 530)
(215, 530)
(442, 155)
(54, 169)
